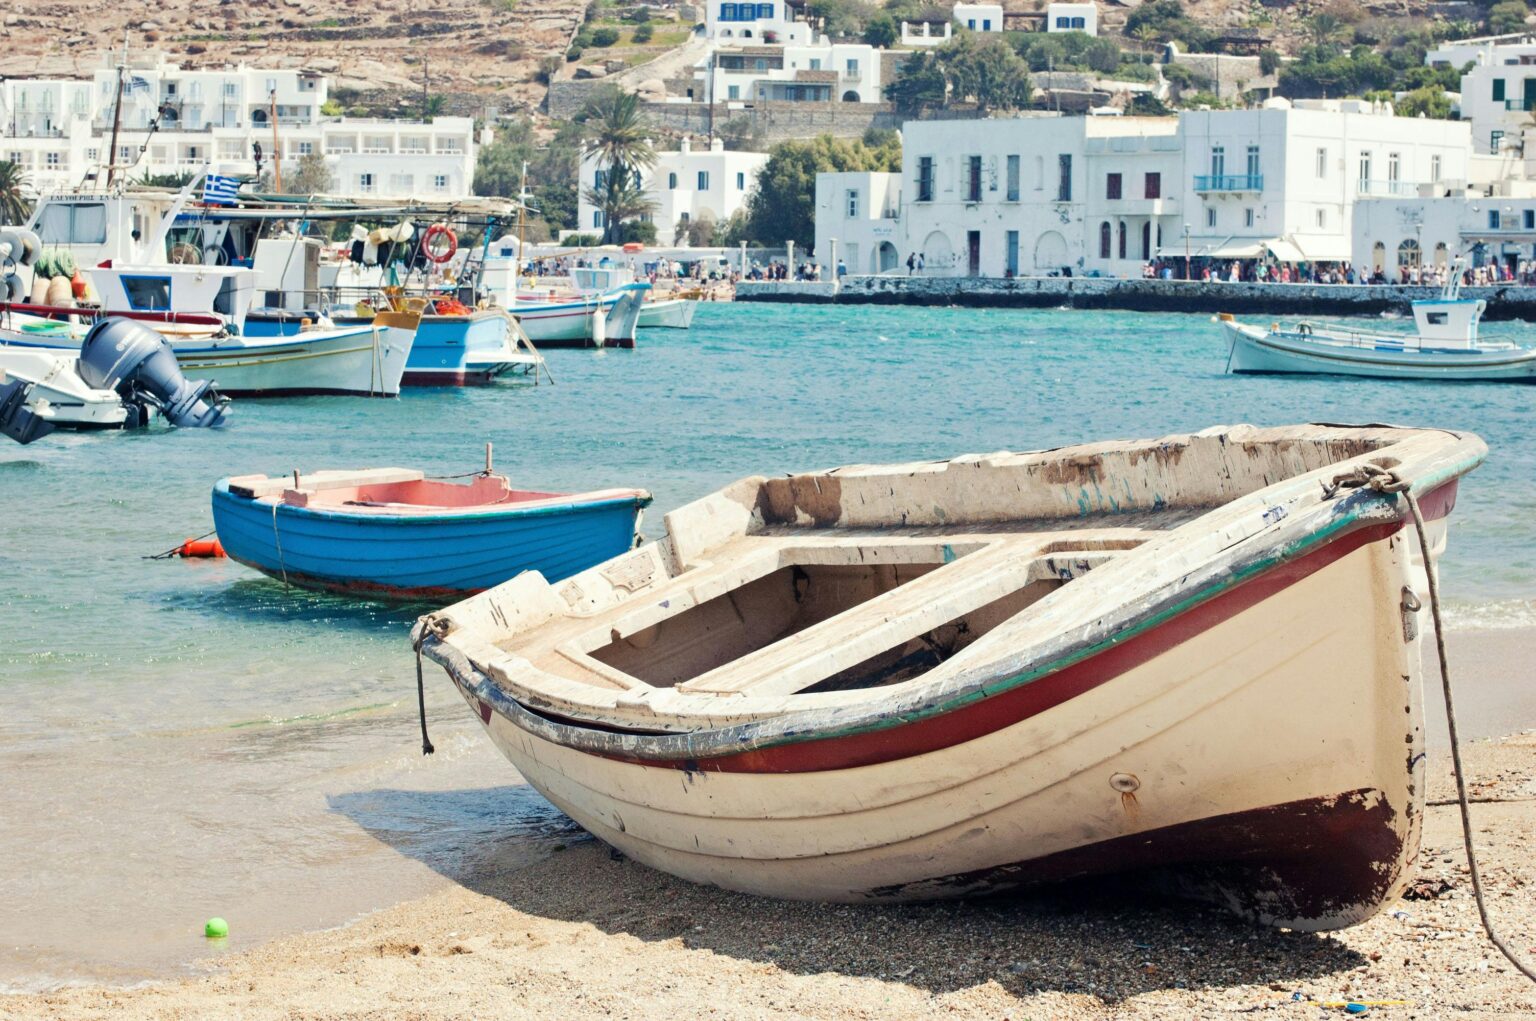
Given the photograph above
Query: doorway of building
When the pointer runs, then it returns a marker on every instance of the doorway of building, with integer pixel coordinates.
(973, 252)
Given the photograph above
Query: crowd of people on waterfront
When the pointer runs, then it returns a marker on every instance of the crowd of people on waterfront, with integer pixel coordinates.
(1521, 273)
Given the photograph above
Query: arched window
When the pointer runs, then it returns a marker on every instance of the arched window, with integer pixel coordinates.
(850, 96)
(1146, 240)
(1104, 240)
(1379, 256)
(1408, 253)
(1122, 239)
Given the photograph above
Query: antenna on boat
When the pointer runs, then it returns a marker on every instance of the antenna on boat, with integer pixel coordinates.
(295, 478)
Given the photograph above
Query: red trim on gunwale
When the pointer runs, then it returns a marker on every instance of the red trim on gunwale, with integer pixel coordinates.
(987, 715)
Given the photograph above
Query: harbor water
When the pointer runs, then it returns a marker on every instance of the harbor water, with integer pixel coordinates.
(183, 739)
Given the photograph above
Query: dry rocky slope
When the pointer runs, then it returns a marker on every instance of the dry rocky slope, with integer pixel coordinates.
(489, 47)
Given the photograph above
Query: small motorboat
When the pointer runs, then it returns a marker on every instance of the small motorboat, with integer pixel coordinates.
(1197, 656)
(668, 313)
(1445, 346)
(393, 533)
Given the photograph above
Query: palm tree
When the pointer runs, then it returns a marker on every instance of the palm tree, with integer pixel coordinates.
(1324, 27)
(616, 136)
(15, 207)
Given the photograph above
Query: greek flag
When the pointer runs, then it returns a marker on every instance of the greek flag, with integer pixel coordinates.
(219, 190)
(137, 84)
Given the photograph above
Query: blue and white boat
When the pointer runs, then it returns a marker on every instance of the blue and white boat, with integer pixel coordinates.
(1445, 346)
(393, 533)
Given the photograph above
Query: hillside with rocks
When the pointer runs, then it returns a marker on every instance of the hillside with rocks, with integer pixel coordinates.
(489, 47)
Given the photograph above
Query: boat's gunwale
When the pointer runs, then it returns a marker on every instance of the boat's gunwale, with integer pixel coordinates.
(1348, 512)
(1458, 358)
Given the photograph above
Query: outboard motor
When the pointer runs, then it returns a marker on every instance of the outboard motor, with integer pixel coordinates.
(18, 421)
(132, 359)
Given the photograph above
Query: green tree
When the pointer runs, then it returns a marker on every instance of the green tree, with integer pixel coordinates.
(617, 137)
(1507, 16)
(553, 169)
(643, 33)
(782, 205)
(919, 84)
(433, 106)
(1324, 27)
(1429, 101)
(148, 180)
(311, 177)
(986, 69)
(605, 36)
(15, 208)
(881, 31)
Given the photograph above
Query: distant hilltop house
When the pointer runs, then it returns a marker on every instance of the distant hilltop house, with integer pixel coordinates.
(684, 185)
(768, 52)
(178, 121)
(1072, 18)
(1498, 90)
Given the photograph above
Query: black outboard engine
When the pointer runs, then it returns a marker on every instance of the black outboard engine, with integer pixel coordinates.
(17, 420)
(120, 354)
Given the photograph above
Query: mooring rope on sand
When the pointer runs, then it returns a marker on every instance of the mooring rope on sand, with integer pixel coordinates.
(1383, 480)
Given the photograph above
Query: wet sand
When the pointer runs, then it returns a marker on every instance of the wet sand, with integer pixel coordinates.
(584, 933)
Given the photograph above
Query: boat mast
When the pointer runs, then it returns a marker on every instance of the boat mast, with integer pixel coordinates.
(117, 113)
(277, 149)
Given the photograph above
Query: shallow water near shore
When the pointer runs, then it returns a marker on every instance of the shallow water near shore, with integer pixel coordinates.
(181, 739)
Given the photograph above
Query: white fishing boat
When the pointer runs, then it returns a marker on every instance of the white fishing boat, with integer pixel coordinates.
(202, 311)
(1198, 655)
(57, 395)
(667, 313)
(1445, 346)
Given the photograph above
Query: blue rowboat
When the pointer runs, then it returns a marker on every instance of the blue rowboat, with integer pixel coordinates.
(392, 533)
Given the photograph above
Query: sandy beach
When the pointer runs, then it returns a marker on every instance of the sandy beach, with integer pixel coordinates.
(585, 933)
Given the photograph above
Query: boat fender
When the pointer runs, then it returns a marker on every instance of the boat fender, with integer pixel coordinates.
(15, 290)
(201, 548)
(439, 243)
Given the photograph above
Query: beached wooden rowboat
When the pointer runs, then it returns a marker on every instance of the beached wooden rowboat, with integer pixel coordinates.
(1193, 655)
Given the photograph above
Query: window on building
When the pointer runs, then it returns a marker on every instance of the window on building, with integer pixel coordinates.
(1495, 140)
(760, 64)
(1210, 217)
(853, 66)
(1498, 90)
(733, 92)
(1253, 162)
(1322, 163)
(365, 183)
(1394, 167)
(1218, 160)
(597, 218)
(1079, 22)
(703, 180)
(1104, 240)
(815, 63)
(92, 155)
(1063, 23)
(306, 148)
(671, 182)
(973, 179)
(1493, 219)
(1013, 178)
(124, 153)
(439, 182)
(229, 90)
(1365, 168)
(1408, 253)
(1152, 186)
(402, 184)
(170, 88)
(1322, 218)
(1011, 256)
(599, 179)
(51, 159)
(1247, 217)
(1112, 186)
(1120, 239)
(1064, 177)
(986, 24)
(925, 179)
(765, 10)
(853, 203)
(741, 181)
(970, 23)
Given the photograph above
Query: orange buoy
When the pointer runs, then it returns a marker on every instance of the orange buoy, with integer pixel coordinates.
(200, 548)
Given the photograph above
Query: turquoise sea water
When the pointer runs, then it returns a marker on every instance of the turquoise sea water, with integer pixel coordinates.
(181, 739)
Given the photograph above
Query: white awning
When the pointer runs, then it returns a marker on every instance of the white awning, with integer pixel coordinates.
(1284, 251)
(1323, 248)
(1227, 247)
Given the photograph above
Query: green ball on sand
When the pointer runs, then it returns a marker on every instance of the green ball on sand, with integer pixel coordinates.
(216, 928)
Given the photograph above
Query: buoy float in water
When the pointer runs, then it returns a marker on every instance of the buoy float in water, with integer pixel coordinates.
(200, 548)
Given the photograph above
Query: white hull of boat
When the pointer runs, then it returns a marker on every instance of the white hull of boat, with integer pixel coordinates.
(353, 360)
(573, 323)
(58, 394)
(1255, 350)
(667, 313)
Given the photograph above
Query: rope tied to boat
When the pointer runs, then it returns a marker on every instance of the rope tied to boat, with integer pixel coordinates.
(1384, 480)
(437, 627)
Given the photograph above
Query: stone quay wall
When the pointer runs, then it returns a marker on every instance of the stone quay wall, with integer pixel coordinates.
(1504, 301)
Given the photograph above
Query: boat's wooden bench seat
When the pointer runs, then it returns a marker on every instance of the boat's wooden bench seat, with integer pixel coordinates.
(258, 487)
(949, 575)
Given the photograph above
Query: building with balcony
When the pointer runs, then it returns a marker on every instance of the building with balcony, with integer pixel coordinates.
(766, 52)
(1498, 88)
(921, 34)
(59, 131)
(684, 185)
(1103, 195)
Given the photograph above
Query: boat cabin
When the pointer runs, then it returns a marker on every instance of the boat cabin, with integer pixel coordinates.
(226, 291)
(1448, 323)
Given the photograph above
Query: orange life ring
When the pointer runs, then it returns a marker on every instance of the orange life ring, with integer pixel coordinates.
(429, 243)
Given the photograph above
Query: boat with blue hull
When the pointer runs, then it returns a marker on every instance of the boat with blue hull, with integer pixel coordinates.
(393, 533)
(1445, 346)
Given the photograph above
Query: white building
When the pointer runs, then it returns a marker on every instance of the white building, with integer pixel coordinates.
(863, 208)
(763, 52)
(1040, 194)
(919, 34)
(1061, 17)
(683, 185)
(59, 131)
(1495, 222)
(982, 17)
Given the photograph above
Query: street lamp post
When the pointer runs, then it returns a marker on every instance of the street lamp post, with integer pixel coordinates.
(1186, 251)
